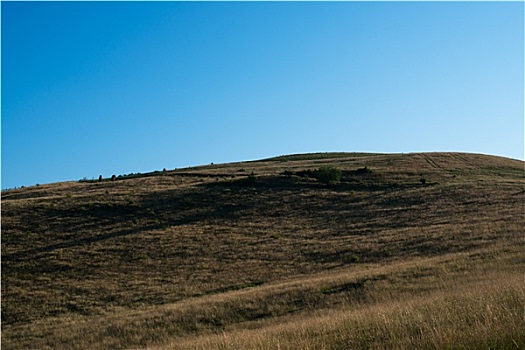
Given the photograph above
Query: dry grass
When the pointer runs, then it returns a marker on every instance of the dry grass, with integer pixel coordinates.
(208, 257)
(486, 317)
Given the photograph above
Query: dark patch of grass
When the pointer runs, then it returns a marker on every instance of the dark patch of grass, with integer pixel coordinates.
(234, 287)
(364, 170)
(345, 287)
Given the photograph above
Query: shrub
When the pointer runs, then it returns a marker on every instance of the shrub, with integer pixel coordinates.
(327, 175)
(351, 258)
(365, 170)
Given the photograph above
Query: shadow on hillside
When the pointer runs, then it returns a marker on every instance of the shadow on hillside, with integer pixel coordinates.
(34, 252)
(356, 180)
(216, 202)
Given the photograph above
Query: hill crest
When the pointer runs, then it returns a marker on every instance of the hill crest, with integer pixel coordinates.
(452, 160)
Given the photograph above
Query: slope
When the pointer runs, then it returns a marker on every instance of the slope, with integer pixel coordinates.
(172, 255)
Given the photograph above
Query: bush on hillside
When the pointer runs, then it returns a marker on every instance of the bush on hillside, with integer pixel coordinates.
(327, 175)
(365, 170)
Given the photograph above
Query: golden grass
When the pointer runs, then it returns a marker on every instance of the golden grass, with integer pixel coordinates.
(209, 258)
(321, 311)
(482, 316)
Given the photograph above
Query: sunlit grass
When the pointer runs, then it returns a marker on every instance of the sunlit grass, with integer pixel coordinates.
(484, 315)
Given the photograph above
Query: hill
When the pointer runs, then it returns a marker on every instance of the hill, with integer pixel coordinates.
(422, 250)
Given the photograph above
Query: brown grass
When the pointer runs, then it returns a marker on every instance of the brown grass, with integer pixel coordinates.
(210, 257)
(486, 317)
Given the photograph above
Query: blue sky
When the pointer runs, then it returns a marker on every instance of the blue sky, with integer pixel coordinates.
(92, 88)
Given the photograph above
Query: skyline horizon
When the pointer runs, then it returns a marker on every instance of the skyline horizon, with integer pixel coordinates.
(92, 88)
(106, 175)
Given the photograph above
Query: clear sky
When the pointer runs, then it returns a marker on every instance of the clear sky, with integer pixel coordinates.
(102, 88)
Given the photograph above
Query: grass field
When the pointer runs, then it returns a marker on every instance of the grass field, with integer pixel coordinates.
(421, 250)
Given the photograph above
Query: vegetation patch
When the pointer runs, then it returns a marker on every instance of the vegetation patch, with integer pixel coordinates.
(328, 175)
(346, 287)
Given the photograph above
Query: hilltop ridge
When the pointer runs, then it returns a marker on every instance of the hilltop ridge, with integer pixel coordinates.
(451, 160)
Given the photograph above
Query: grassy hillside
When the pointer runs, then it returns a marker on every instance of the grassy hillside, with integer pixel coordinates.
(419, 250)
